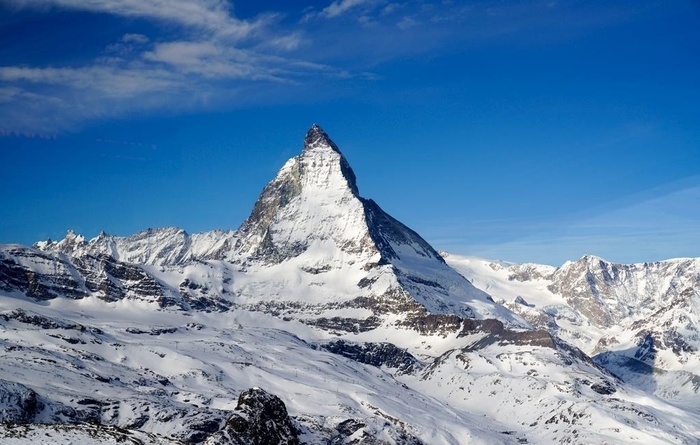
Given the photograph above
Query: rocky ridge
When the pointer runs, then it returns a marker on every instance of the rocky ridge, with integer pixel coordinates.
(641, 321)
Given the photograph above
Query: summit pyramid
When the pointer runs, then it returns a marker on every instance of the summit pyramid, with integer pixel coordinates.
(311, 227)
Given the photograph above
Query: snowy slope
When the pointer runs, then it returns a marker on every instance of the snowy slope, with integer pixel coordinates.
(175, 373)
(640, 320)
(179, 374)
(84, 434)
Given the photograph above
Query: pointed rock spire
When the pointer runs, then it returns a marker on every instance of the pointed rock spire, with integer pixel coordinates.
(321, 161)
(316, 137)
(312, 193)
(311, 217)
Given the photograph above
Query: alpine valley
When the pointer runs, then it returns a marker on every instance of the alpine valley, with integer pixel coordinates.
(323, 320)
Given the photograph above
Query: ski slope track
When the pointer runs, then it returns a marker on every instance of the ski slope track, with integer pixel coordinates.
(323, 320)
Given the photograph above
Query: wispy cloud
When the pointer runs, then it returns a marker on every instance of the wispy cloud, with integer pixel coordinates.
(365, 12)
(179, 74)
(340, 7)
(213, 54)
(407, 22)
(206, 56)
(46, 100)
(213, 15)
(209, 60)
(106, 80)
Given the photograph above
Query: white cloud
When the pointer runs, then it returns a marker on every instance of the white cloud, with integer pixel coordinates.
(340, 7)
(108, 81)
(135, 38)
(655, 228)
(51, 100)
(125, 47)
(210, 60)
(206, 60)
(180, 75)
(213, 55)
(213, 15)
(183, 53)
(287, 42)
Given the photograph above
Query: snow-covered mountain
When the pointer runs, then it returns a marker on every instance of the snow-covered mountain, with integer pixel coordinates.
(312, 247)
(639, 320)
(323, 320)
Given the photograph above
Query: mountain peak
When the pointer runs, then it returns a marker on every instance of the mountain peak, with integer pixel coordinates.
(311, 218)
(322, 163)
(316, 137)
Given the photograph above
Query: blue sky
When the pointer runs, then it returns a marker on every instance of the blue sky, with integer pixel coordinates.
(522, 131)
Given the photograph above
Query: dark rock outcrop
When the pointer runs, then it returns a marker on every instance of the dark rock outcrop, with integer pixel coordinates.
(18, 404)
(22, 269)
(375, 354)
(260, 418)
(356, 432)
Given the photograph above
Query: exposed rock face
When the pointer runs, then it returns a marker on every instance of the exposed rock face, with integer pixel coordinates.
(260, 419)
(160, 247)
(88, 433)
(18, 404)
(355, 432)
(40, 321)
(657, 302)
(37, 274)
(113, 280)
(608, 293)
(642, 321)
(45, 276)
(375, 354)
(649, 299)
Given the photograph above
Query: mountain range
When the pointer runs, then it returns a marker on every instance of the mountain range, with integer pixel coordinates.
(324, 320)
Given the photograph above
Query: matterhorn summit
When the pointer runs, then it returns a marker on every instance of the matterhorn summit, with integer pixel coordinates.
(310, 226)
(312, 203)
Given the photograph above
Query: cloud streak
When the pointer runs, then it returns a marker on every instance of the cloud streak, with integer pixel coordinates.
(340, 7)
(177, 74)
(213, 15)
(105, 80)
(183, 54)
(213, 58)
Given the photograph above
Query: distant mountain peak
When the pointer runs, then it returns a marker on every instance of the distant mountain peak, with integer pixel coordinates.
(312, 217)
(316, 137)
(313, 192)
(592, 258)
(322, 165)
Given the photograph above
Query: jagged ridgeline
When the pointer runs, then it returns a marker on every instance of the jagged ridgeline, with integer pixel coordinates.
(354, 264)
(323, 320)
